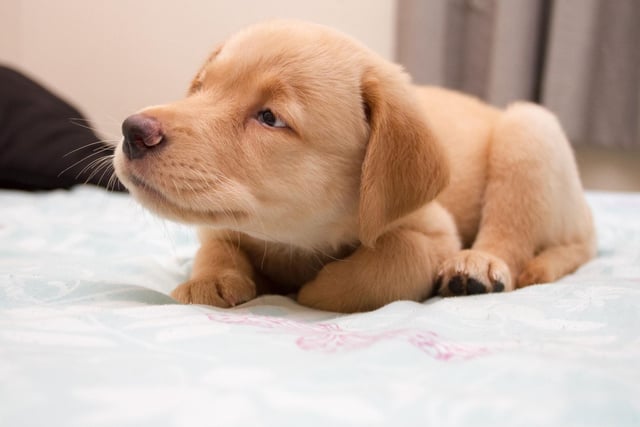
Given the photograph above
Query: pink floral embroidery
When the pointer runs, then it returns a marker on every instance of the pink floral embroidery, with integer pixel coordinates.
(433, 345)
(338, 340)
(331, 338)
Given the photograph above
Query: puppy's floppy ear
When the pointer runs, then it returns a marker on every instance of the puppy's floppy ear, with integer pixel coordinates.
(404, 166)
(196, 83)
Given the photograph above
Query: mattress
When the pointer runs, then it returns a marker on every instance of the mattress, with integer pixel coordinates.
(90, 337)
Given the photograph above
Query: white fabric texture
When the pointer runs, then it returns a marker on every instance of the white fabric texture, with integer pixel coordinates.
(89, 337)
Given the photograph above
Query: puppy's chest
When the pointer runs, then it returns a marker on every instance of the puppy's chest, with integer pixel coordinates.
(286, 268)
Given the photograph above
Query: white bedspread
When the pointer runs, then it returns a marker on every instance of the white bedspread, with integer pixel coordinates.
(89, 337)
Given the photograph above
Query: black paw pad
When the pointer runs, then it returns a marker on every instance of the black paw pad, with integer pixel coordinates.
(498, 286)
(456, 285)
(437, 285)
(463, 285)
(475, 287)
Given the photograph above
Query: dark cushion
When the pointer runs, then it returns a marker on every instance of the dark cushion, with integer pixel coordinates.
(42, 143)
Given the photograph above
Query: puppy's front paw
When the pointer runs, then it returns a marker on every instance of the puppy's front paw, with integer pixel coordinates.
(227, 289)
(473, 272)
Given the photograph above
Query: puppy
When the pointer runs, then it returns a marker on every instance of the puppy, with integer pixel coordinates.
(312, 165)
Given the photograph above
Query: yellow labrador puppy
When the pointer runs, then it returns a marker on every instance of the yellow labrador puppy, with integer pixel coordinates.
(312, 165)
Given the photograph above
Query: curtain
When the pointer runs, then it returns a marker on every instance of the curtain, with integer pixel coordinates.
(579, 58)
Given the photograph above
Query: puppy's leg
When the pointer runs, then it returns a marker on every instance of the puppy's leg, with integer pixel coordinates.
(554, 262)
(533, 201)
(402, 266)
(222, 275)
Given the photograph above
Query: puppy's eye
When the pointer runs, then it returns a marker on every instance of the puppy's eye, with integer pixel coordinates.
(267, 117)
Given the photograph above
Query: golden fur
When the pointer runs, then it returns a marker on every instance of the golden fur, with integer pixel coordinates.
(376, 190)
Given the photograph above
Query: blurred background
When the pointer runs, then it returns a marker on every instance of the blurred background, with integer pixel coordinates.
(580, 58)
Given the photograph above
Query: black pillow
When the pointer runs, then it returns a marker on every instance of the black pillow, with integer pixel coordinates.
(42, 145)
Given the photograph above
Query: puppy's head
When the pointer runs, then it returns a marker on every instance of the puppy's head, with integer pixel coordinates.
(290, 132)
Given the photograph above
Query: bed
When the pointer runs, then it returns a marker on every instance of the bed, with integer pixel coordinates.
(90, 337)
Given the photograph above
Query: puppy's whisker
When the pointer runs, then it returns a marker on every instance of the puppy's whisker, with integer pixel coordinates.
(101, 152)
(94, 164)
(100, 168)
(95, 172)
(101, 142)
(113, 181)
(105, 166)
(84, 159)
(191, 187)
(78, 121)
(175, 185)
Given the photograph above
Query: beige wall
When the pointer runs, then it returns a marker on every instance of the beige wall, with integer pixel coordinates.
(111, 58)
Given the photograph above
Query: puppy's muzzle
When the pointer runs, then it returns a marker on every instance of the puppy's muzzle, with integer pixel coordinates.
(141, 135)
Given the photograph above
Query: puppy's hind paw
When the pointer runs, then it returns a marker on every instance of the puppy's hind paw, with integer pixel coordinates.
(473, 272)
(227, 289)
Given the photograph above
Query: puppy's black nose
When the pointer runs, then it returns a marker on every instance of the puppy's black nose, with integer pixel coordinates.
(141, 133)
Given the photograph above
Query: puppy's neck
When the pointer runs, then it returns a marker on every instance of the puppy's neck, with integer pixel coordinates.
(329, 238)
